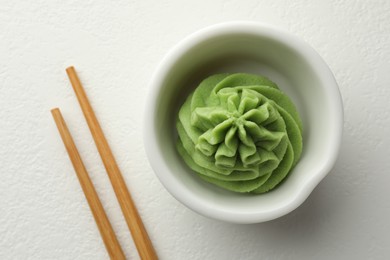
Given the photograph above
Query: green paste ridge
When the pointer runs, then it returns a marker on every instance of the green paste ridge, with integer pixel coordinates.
(239, 132)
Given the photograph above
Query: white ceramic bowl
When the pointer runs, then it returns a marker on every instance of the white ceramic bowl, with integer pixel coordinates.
(254, 48)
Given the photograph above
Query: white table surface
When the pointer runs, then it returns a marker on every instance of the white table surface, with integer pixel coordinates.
(115, 47)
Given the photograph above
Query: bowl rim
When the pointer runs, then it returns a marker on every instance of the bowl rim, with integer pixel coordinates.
(159, 166)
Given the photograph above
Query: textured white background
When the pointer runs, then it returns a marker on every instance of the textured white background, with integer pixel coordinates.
(115, 46)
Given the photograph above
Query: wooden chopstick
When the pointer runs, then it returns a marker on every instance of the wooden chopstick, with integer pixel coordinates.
(134, 222)
(110, 241)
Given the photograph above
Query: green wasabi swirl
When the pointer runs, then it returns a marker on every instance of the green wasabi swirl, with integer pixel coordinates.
(239, 132)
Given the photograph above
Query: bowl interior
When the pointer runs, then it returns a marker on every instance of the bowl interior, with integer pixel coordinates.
(265, 55)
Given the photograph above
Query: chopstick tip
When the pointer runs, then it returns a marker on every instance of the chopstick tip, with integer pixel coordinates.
(55, 110)
(70, 68)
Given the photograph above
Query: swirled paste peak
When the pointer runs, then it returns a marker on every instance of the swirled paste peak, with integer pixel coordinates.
(239, 132)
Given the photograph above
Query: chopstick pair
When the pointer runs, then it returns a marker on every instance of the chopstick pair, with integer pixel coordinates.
(133, 220)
